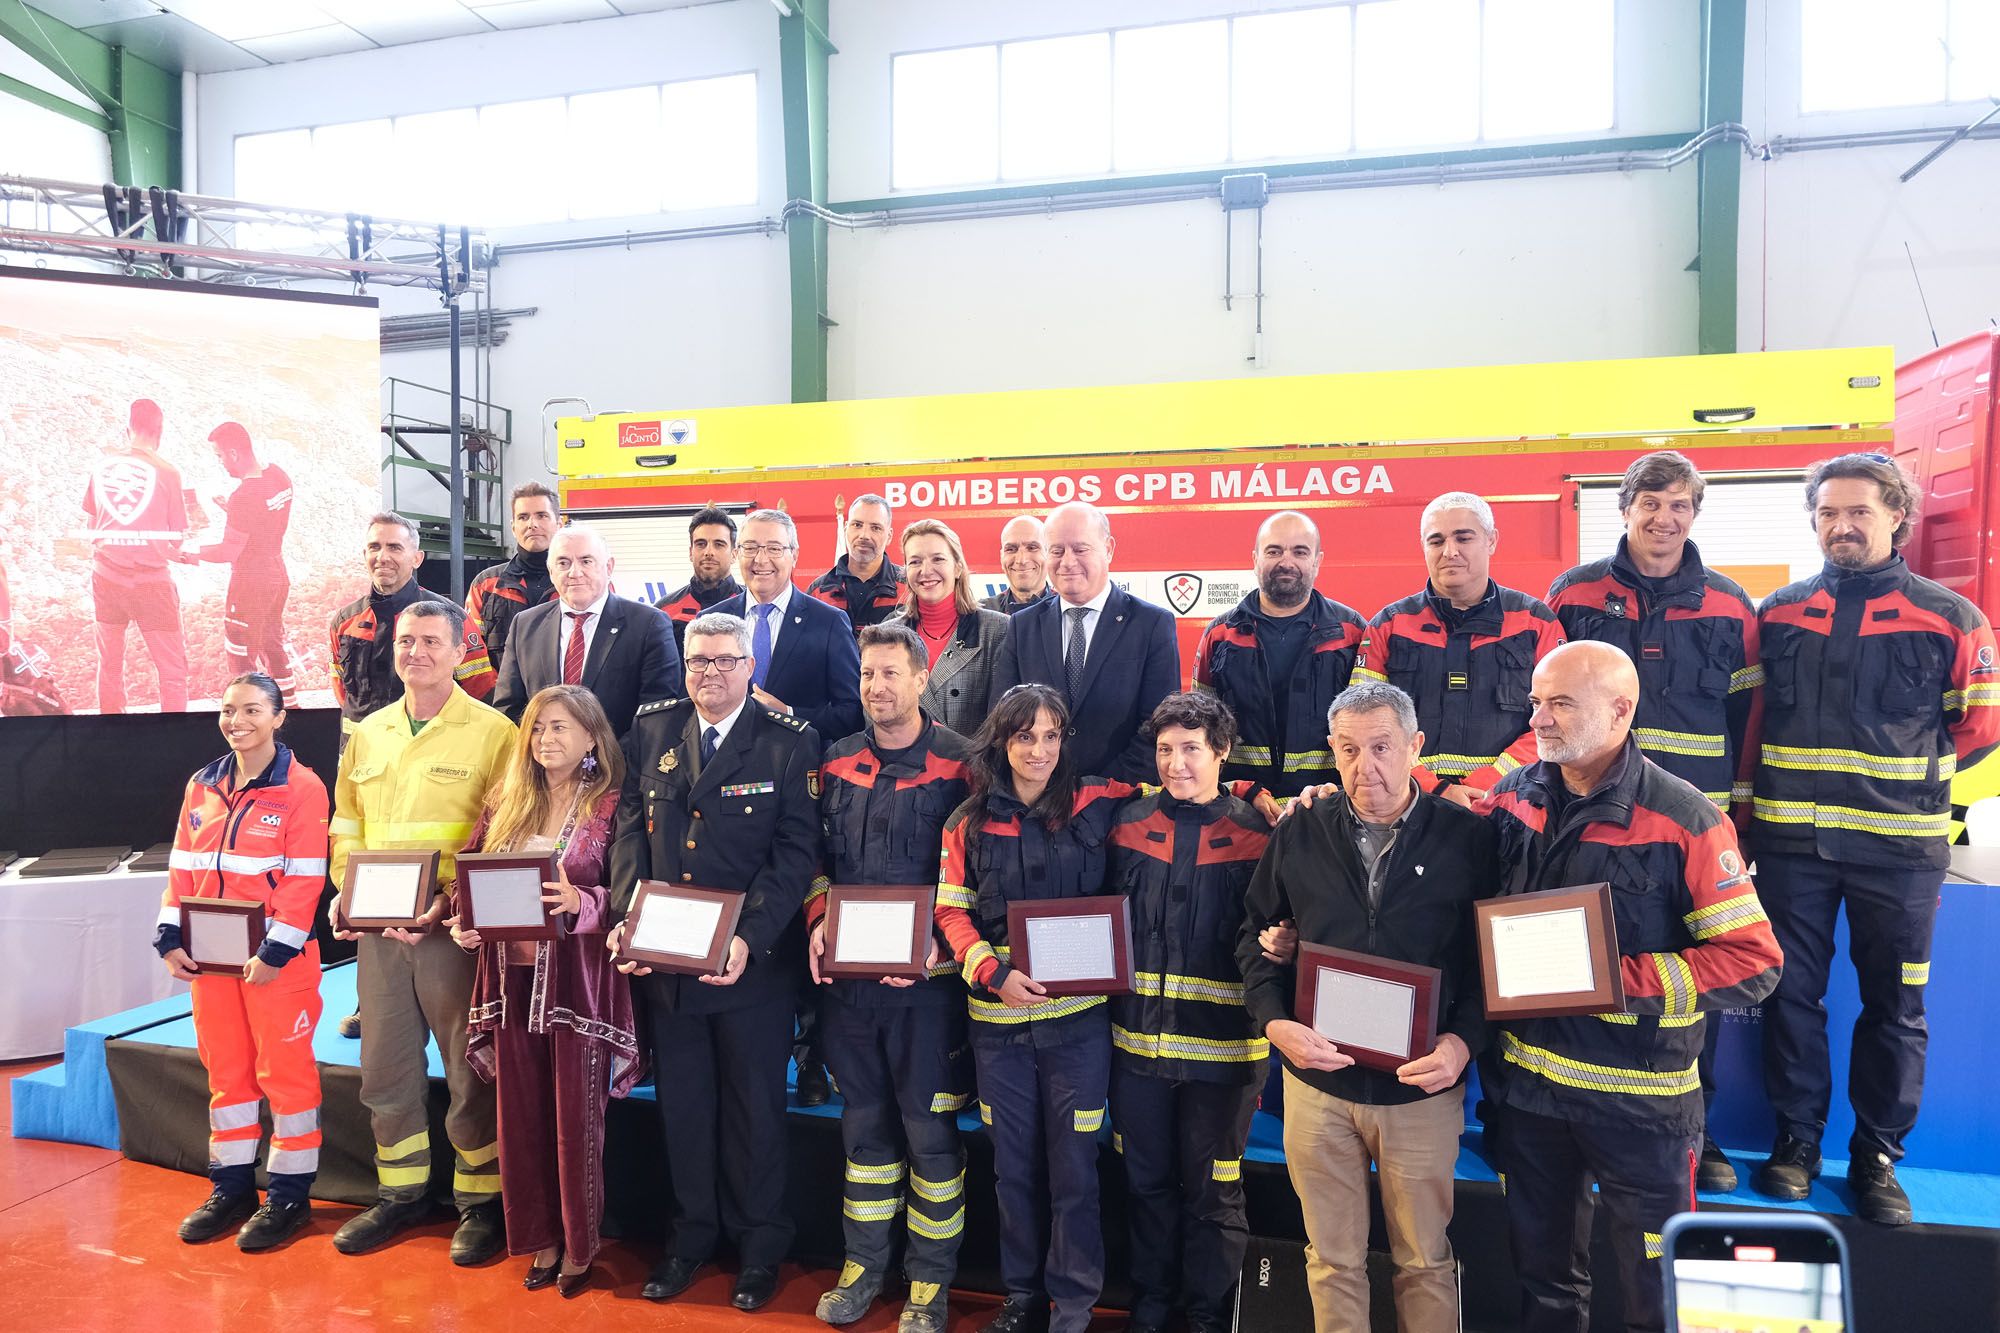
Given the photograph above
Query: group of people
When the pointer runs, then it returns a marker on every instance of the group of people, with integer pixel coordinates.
(881, 726)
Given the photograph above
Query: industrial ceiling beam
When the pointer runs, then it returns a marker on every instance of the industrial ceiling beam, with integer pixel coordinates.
(139, 104)
(803, 48)
(1720, 179)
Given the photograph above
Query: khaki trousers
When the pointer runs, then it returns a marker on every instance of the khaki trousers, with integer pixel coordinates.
(1329, 1143)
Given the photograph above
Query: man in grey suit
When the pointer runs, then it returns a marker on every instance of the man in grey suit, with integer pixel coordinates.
(620, 650)
(1113, 656)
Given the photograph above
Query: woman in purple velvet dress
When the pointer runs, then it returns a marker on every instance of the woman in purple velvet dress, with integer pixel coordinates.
(552, 1020)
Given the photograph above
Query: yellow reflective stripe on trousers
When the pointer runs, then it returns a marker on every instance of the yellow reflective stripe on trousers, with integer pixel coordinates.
(475, 1182)
(1088, 1122)
(392, 1176)
(1655, 1247)
(863, 1174)
(942, 1102)
(477, 1156)
(1916, 974)
(1848, 817)
(1176, 987)
(934, 1229)
(937, 1191)
(1699, 744)
(1749, 678)
(1883, 767)
(1229, 1170)
(985, 1114)
(1705, 923)
(390, 1152)
(1175, 1046)
(1597, 1078)
(988, 1011)
(871, 1210)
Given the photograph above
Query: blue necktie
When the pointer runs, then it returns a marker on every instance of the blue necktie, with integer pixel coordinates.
(709, 740)
(760, 642)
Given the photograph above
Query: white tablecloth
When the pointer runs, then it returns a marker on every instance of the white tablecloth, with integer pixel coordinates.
(73, 949)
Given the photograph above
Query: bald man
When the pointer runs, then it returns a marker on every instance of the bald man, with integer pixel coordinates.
(1024, 560)
(1279, 658)
(1113, 656)
(620, 650)
(1614, 1099)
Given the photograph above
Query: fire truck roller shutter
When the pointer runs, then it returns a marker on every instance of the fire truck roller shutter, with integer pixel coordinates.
(649, 548)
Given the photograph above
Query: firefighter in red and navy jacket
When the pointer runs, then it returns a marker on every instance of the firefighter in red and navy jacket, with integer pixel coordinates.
(864, 583)
(500, 592)
(711, 555)
(1613, 1097)
(362, 643)
(1692, 633)
(898, 1048)
(1278, 659)
(1463, 649)
(253, 826)
(1187, 1062)
(1879, 686)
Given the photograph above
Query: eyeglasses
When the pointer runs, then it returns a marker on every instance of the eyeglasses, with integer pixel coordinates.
(699, 666)
(757, 549)
(1879, 458)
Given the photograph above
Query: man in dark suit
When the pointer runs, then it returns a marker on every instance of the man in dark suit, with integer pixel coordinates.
(723, 793)
(620, 650)
(1113, 656)
(807, 663)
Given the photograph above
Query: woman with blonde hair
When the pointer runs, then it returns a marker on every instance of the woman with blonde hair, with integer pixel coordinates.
(551, 1020)
(961, 637)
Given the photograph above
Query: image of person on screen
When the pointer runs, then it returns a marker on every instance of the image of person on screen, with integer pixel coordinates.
(721, 792)
(1186, 1064)
(136, 517)
(1380, 867)
(896, 1045)
(1692, 938)
(551, 1024)
(256, 514)
(27, 687)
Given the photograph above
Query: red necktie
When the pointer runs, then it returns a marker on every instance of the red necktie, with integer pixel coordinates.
(573, 655)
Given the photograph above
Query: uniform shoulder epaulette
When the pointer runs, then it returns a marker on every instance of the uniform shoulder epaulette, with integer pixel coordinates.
(795, 723)
(657, 706)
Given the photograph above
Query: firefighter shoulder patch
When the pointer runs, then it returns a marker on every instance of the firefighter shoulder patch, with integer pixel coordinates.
(812, 783)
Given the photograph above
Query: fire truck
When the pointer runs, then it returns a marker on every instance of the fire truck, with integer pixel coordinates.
(1187, 471)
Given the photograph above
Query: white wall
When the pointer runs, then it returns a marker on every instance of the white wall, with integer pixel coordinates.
(1823, 233)
(703, 322)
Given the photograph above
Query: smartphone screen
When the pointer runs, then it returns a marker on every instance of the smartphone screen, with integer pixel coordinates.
(1755, 1279)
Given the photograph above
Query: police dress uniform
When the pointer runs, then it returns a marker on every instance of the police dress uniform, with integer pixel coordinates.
(1616, 1097)
(1188, 1063)
(899, 1053)
(399, 791)
(745, 818)
(265, 841)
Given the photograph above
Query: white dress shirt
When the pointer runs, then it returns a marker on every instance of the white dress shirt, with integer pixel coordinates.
(782, 602)
(1095, 606)
(595, 612)
(724, 727)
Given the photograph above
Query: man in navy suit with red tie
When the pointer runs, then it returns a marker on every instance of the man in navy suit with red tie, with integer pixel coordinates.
(1113, 656)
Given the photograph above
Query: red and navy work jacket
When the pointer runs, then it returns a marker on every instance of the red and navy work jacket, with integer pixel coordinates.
(363, 652)
(692, 598)
(1469, 673)
(1691, 934)
(1878, 687)
(1281, 725)
(1017, 857)
(884, 824)
(495, 596)
(1693, 637)
(1185, 868)
(866, 601)
(265, 841)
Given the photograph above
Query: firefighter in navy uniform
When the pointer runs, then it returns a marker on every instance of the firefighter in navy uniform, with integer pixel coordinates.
(1278, 658)
(1879, 685)
(1692, 633)
(1463, 649)
(711, 555)
(500, 592)
(723, 793)
(864, 583)
(898, 1048)
(1187, 1062)
(1613, 1098)
(362, 651)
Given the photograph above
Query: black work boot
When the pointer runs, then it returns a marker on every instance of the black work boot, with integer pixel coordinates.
(1716, 1174)
(1789, 1172)
(481, 1234)
(850, 1299)
(273, 1225)
(1877, 1195)
(379, 1225)
(221, 1212)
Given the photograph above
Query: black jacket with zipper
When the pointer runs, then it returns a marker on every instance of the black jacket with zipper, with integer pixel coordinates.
(1444, 858)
